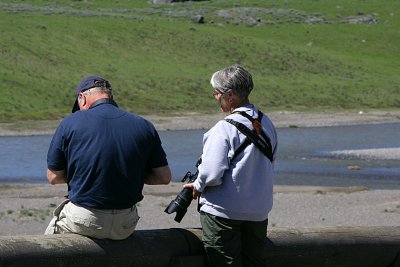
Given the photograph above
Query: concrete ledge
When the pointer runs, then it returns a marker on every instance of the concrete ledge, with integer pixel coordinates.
(338, 246)
(335, 246)
(144, 248)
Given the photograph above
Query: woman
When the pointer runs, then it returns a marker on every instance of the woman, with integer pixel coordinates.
(235, 181)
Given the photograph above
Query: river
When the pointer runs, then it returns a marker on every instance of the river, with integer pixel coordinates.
(304, 156)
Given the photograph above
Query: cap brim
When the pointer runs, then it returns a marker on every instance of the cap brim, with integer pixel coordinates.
(76, 106)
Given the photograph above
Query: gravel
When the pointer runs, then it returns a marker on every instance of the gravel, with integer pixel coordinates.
(26, 210)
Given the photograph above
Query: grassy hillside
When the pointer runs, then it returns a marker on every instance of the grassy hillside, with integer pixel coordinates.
(302, 54)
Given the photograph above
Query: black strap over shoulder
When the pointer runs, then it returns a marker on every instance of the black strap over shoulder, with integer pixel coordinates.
(253, 136)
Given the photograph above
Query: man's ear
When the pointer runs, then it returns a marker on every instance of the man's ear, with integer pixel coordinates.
(81, 100)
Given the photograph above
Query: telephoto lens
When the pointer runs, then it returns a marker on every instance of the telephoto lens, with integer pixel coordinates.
(184, 198)
(180, 204)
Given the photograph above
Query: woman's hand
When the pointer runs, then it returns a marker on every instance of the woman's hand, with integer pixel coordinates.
(191, 187)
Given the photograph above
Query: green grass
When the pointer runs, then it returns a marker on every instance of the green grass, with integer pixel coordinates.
(159, 62)
(38, 214)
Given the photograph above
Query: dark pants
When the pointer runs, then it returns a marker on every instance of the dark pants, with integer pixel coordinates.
(233, 242)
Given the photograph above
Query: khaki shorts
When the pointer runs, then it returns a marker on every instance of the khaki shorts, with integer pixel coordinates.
(102, 224)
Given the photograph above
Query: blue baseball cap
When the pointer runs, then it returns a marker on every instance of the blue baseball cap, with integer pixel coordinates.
(88, 83)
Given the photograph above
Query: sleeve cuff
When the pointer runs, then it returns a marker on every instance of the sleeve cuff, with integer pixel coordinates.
(197, 186)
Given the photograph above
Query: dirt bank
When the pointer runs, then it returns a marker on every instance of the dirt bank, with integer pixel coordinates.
(201, 121)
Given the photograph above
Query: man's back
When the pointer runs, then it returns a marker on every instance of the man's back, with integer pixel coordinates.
(107, 152)
(105, 155)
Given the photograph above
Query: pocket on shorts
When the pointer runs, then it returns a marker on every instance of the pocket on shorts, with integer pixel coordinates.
(82, 217)
(89, 222)
(132, 221)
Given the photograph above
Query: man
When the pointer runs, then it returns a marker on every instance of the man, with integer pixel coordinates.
(105, 155)
(235, 177)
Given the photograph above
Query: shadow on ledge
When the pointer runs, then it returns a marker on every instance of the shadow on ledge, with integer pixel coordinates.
(338, 246)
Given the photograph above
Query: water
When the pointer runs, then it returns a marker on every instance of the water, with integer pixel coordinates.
(303, 156)
(23, 159)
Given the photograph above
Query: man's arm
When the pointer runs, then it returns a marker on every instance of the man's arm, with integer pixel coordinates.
(57, 177)
(161, 175)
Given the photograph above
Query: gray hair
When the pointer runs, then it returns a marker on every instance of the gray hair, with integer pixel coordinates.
(100, 89)
(234, 78)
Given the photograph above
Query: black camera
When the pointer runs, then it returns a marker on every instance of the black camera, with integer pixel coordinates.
(184, 198)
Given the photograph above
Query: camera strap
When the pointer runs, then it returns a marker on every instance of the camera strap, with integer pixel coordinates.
(253, 136)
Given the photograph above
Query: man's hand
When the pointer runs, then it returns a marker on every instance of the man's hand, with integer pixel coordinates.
(191, 187)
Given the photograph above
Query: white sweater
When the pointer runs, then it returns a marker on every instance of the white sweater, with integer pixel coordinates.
(241, 189)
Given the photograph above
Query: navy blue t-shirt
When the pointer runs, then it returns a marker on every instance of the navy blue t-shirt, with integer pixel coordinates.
(106, 152)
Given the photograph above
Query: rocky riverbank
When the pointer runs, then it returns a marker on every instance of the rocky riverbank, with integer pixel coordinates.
(206, 121)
